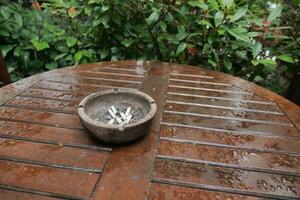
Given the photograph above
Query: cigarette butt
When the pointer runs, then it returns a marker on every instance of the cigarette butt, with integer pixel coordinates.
(128, 111)
(113, 109)
(111, 121)
(128, 118)
(112, 114)
(123, 116)
(119, 120)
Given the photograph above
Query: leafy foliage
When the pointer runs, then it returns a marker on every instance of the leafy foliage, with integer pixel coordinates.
(256, 41)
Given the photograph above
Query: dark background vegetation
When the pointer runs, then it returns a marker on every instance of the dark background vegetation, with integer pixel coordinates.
(257, 40)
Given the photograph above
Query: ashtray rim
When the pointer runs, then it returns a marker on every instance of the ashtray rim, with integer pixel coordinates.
(82, 114)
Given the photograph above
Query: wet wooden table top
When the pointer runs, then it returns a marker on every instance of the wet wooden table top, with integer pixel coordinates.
(214, 136)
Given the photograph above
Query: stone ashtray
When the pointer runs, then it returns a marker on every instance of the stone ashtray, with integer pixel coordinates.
(117, 115)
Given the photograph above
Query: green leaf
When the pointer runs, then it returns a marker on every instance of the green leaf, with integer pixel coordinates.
(275, 13)
(105, 8)
(59, 56)
(114, 50)
(127, 42)
(4, 33)
(54, 29)
(181, 28)
(239, 13)
(19, 19)
(163, 25)
(181, 35)
(286, 58)
(11, 69)
(69, 58)
(213, 63)
(227, 3)
(227, 63)
(5, 12)
(253, 34)
(39, 45)
(94, 1)
(87, 54)
(211, 39)
(256, 48)
(255, 62)
(104, 53)
(78, 56)
(238, 33)
(219, 16)
(221, 30)
(268, 63)
(19, 51)
(214, 4)
(96, 22)
(51, 66)
(192, 35)
(103, 19)
(88, 11)
(170, 18)
(240, 29)
(59, 32)
(153, 18)
(71, 41)
(241, 54)
(5, 49)
(181, 48)
(204, 22)
(198, 3)
(258, 78)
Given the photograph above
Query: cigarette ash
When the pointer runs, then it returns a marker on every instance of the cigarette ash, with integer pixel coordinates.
(119, 114)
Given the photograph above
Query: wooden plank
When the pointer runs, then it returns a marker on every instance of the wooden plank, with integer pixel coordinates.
(127, 172)
(167, 192)
(56, 95)
(40, 118)
(111, 75)
(50, 105)
(91, 82)
(46, 134)
(138, 71)
(231, 113)
(221, 156)
(231, 125)
(53, 155)
(199, 93)
(223, 103)
(283, 144)
(63, 182)
(14, 195)
(227, 179)
(69, 87)
(203, 84)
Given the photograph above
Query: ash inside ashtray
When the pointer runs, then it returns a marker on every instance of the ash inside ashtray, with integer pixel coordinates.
(119, 114)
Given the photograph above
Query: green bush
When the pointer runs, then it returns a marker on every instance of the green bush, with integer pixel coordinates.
(256, 40)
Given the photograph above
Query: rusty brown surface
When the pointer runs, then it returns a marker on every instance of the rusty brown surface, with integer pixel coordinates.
(13, 195)
(53, 180)
(167, 192)
(214, 136)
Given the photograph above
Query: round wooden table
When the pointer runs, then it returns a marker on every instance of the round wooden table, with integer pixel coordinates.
(214, 136)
